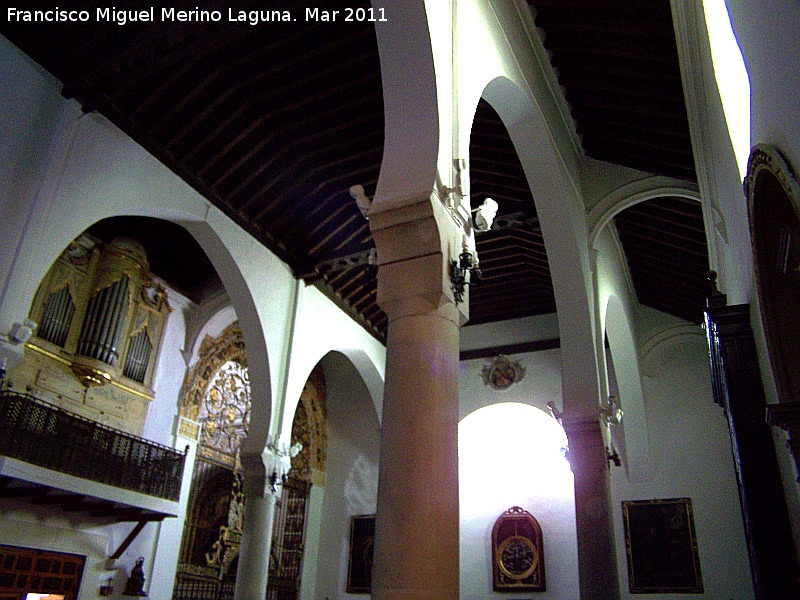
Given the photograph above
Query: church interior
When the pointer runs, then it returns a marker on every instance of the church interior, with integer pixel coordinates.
(401, 299)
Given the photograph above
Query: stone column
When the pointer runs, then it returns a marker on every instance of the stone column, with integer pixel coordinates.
(260, 498)
(417, 523)
(597, 559)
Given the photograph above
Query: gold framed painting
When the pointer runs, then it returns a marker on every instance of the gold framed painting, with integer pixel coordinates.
(661, 545)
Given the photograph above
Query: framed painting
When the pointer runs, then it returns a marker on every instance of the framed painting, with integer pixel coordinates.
(362, 542)
(661, 546)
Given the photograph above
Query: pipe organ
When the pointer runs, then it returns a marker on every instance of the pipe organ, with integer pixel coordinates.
(102, 316)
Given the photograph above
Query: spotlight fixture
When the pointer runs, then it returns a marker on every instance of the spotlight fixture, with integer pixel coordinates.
(611, 412)
(22, 332)
(485, 214)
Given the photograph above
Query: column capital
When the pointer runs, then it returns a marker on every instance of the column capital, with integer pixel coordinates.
(416, 239)
(254, 473)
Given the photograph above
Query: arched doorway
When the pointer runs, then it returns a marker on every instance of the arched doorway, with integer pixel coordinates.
(309, 428)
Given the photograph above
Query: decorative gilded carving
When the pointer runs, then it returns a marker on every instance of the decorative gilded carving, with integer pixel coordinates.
(225, 412)
(90, 376)
(773, 194)
(226, 547)
(214, 352)
(310, 428)
(189, 429)
(517, 552)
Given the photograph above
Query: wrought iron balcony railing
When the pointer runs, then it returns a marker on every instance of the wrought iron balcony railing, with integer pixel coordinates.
(39, 433)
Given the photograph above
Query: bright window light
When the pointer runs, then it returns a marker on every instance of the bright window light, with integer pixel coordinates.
(732, 79)
(508, 454)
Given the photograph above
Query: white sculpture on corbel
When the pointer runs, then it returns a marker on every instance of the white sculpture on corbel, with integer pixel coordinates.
(278, 460)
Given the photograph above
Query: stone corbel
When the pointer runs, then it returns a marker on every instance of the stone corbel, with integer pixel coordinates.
(787, 416)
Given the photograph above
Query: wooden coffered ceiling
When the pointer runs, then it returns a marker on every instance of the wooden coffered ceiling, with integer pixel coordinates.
(274, 123)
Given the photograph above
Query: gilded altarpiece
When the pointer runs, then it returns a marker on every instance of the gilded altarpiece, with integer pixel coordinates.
(216, 402)
(215, 409)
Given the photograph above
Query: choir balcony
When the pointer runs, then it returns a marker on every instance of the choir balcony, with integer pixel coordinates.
(51, 457)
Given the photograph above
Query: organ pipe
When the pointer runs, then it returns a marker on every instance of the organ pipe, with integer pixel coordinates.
(104, 322)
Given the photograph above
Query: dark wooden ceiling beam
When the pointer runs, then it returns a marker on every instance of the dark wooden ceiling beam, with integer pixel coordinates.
(497, 300)
(647, 164)
(284, 111)
(663, 134)
(658, 55)
(342, 225)
(666, 287)
(510, 236)
(312, 205)
(510, 255)
(90, 506)
(603, 29)
(595, 68)
(608, 115)
(645, 147)
(684, 209)
(652, 108)
(338, 174)
(579, 86)
(276, 98)
(24, 491)
(59, 499)
(653, 237)
(288, 129)
(204, 52)
(642, 9)
(305, 168)
(692, 230)
(321, 127)
(641, 254)
(245, 60)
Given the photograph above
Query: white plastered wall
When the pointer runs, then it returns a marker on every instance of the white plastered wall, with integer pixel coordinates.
(617, 306)
(691, 455)
(767, 34)
(321, 327)
(556, 515)
(351, 479)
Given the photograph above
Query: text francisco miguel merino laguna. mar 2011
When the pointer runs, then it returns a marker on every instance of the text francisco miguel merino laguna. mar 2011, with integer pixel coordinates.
(169, 15)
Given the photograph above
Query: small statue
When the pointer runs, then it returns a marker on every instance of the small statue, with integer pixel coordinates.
(135, 585)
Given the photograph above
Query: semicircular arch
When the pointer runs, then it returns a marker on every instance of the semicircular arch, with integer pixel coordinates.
(106, 175)
(633, 193)
(561, 215)
(411, 112)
